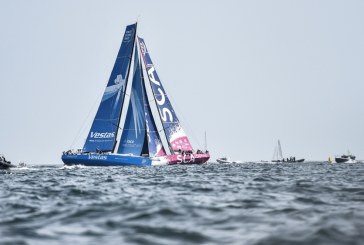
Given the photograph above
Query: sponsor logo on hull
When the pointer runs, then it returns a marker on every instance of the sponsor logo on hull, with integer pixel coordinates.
(188, 158)
(185, 159)
(97, 157)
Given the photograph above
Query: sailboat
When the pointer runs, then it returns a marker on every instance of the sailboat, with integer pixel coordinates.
(124, 130)
(278, 156)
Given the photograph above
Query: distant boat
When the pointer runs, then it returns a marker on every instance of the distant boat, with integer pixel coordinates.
(121, 137)
(4, 164)
(348, 158)
(223, 160)
(278, 156)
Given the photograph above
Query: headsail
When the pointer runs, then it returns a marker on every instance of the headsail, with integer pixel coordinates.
(154, 142)
(134, 137)
(102, 135)
(176, 136)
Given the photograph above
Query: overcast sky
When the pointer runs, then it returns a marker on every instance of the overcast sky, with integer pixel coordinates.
(247, 72)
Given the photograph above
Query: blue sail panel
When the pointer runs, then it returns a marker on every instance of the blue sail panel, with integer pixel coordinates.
(102, 135)
(154, 142)
(176, 136)
(134, 131)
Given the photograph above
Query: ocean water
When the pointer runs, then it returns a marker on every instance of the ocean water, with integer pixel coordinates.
(308, 203)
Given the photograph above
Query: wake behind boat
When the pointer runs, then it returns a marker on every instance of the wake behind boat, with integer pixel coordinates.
(135, 139)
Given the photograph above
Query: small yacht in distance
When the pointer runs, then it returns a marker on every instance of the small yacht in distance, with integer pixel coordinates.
(348, 158)
(278, 156)
(226, 160)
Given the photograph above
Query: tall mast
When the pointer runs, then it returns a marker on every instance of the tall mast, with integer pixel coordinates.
(280, 149)
(205, 142)
(118, 134)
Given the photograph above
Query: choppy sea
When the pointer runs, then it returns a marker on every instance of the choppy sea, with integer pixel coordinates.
(249, 203)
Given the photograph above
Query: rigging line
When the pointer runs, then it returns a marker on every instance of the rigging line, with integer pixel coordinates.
(96, 100)
(179, 111)
(164, 129)
(84, 122)
(185, 122)
(175, 104)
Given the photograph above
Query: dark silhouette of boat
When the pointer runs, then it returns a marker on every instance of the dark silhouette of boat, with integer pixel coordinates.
(226, 160)
(345, 158)
(278, 156)
(4, 164)
(292, 160)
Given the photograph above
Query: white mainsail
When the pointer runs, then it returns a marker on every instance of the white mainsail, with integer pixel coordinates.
(277, 155)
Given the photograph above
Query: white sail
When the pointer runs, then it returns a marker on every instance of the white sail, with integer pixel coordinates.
(277, 155)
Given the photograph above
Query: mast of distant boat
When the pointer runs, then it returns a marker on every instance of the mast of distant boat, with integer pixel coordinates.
(205, 142)
(280, 150)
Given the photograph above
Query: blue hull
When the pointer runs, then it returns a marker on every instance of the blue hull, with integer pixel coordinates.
(105, 160)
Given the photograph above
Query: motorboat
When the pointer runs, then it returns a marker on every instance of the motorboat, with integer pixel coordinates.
(225, 160)
(348, 158)
(4, 164)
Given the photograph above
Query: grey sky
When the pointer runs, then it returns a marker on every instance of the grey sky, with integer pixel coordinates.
(247, 72)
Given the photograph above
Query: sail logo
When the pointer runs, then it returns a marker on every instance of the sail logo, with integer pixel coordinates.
(128, 35)
(105, 135)
(185, 158)
(164, 112)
